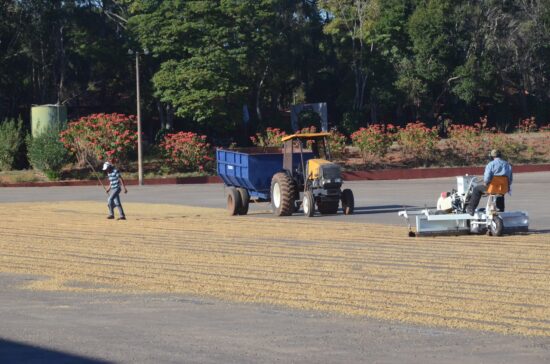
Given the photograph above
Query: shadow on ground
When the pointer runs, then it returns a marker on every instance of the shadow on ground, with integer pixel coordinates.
(14, 352)
(541, 231)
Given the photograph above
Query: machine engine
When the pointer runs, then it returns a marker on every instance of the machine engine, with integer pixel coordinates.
(324, 174)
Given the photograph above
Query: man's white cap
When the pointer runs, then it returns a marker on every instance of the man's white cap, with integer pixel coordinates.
(106, 165)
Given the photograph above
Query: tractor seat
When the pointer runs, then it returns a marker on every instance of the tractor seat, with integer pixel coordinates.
(498, 186)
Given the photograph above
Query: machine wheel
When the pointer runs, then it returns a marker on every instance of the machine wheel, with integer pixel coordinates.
(308, 204)
(245, 200)
(496, 226)
(233, 201)
(348, 202)
(282, 194)
(327, 208)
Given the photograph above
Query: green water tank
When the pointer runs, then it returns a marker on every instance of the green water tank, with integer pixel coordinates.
(44, 116)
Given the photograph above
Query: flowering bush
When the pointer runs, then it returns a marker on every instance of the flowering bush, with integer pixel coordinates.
(271, 138)
(337, 143)
(471, 144)
(100, 137)
(187, 151)
(373, 141)
(511, 148)
(418, 141)
(528, 125)
(308, 129)
(464, 143)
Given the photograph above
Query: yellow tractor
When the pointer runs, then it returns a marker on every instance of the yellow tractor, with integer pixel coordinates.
(309, 178)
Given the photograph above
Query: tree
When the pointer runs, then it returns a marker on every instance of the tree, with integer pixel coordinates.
(215, 56)
(60, 51)
(352, 21)
(436, 51)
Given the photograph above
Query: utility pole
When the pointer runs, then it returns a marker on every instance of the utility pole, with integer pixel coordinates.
(138, 105)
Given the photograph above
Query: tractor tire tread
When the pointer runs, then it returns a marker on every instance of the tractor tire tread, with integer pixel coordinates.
(288, 191)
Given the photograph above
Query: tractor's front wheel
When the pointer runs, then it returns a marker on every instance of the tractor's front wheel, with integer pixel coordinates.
(282, 194)
(348, 202)
(308, 204)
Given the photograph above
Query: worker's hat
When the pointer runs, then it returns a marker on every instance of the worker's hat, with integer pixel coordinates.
(495, 153)
(106, 165)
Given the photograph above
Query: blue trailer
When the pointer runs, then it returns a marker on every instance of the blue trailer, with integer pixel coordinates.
(248, 174)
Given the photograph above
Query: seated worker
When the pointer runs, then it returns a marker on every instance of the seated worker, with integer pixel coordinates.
(496, 168)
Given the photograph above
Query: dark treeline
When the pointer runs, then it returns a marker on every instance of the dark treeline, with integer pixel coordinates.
(370, 60)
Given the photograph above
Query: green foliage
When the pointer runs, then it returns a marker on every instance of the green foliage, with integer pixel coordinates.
(370, 60)
(219, 56)
(11, 142)
(46, 153)
(351, 121)
(430, 29)
(56, 51)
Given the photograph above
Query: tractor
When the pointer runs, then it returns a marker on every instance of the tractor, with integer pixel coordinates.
(309, 181)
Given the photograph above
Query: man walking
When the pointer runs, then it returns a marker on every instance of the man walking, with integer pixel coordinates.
(497, 171)
(116, 180)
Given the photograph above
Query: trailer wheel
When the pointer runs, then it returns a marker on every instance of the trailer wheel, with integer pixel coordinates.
(308, 204)
(233, 201)
(245, 200)
(348, 202)
(496, 226)
(282, 194)
(327, 208)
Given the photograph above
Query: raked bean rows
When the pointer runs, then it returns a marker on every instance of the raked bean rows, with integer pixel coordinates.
(475, 282)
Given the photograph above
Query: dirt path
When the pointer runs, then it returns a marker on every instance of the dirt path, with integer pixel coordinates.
(499, 284)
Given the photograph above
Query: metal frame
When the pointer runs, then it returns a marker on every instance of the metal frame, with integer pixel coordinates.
(430, 222)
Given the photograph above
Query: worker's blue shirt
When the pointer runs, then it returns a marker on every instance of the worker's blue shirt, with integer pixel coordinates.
(497, 167)
(114, 177)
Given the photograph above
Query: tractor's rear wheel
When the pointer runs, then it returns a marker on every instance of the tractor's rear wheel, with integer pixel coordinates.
(348, 202)
(283, 191)
(245, 201)
(233, 201)
(328, 207)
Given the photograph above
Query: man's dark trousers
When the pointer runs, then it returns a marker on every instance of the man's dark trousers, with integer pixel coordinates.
(477, 192)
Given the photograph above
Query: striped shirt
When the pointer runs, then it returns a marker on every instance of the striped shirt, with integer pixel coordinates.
(114, 178)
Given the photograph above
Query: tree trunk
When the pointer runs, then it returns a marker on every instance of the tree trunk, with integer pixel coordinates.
(160, 110)
(373, 110)
(259, 93)
(61, 65)
(169, 117)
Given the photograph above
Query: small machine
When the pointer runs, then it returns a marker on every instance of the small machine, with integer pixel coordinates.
(451, 217)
